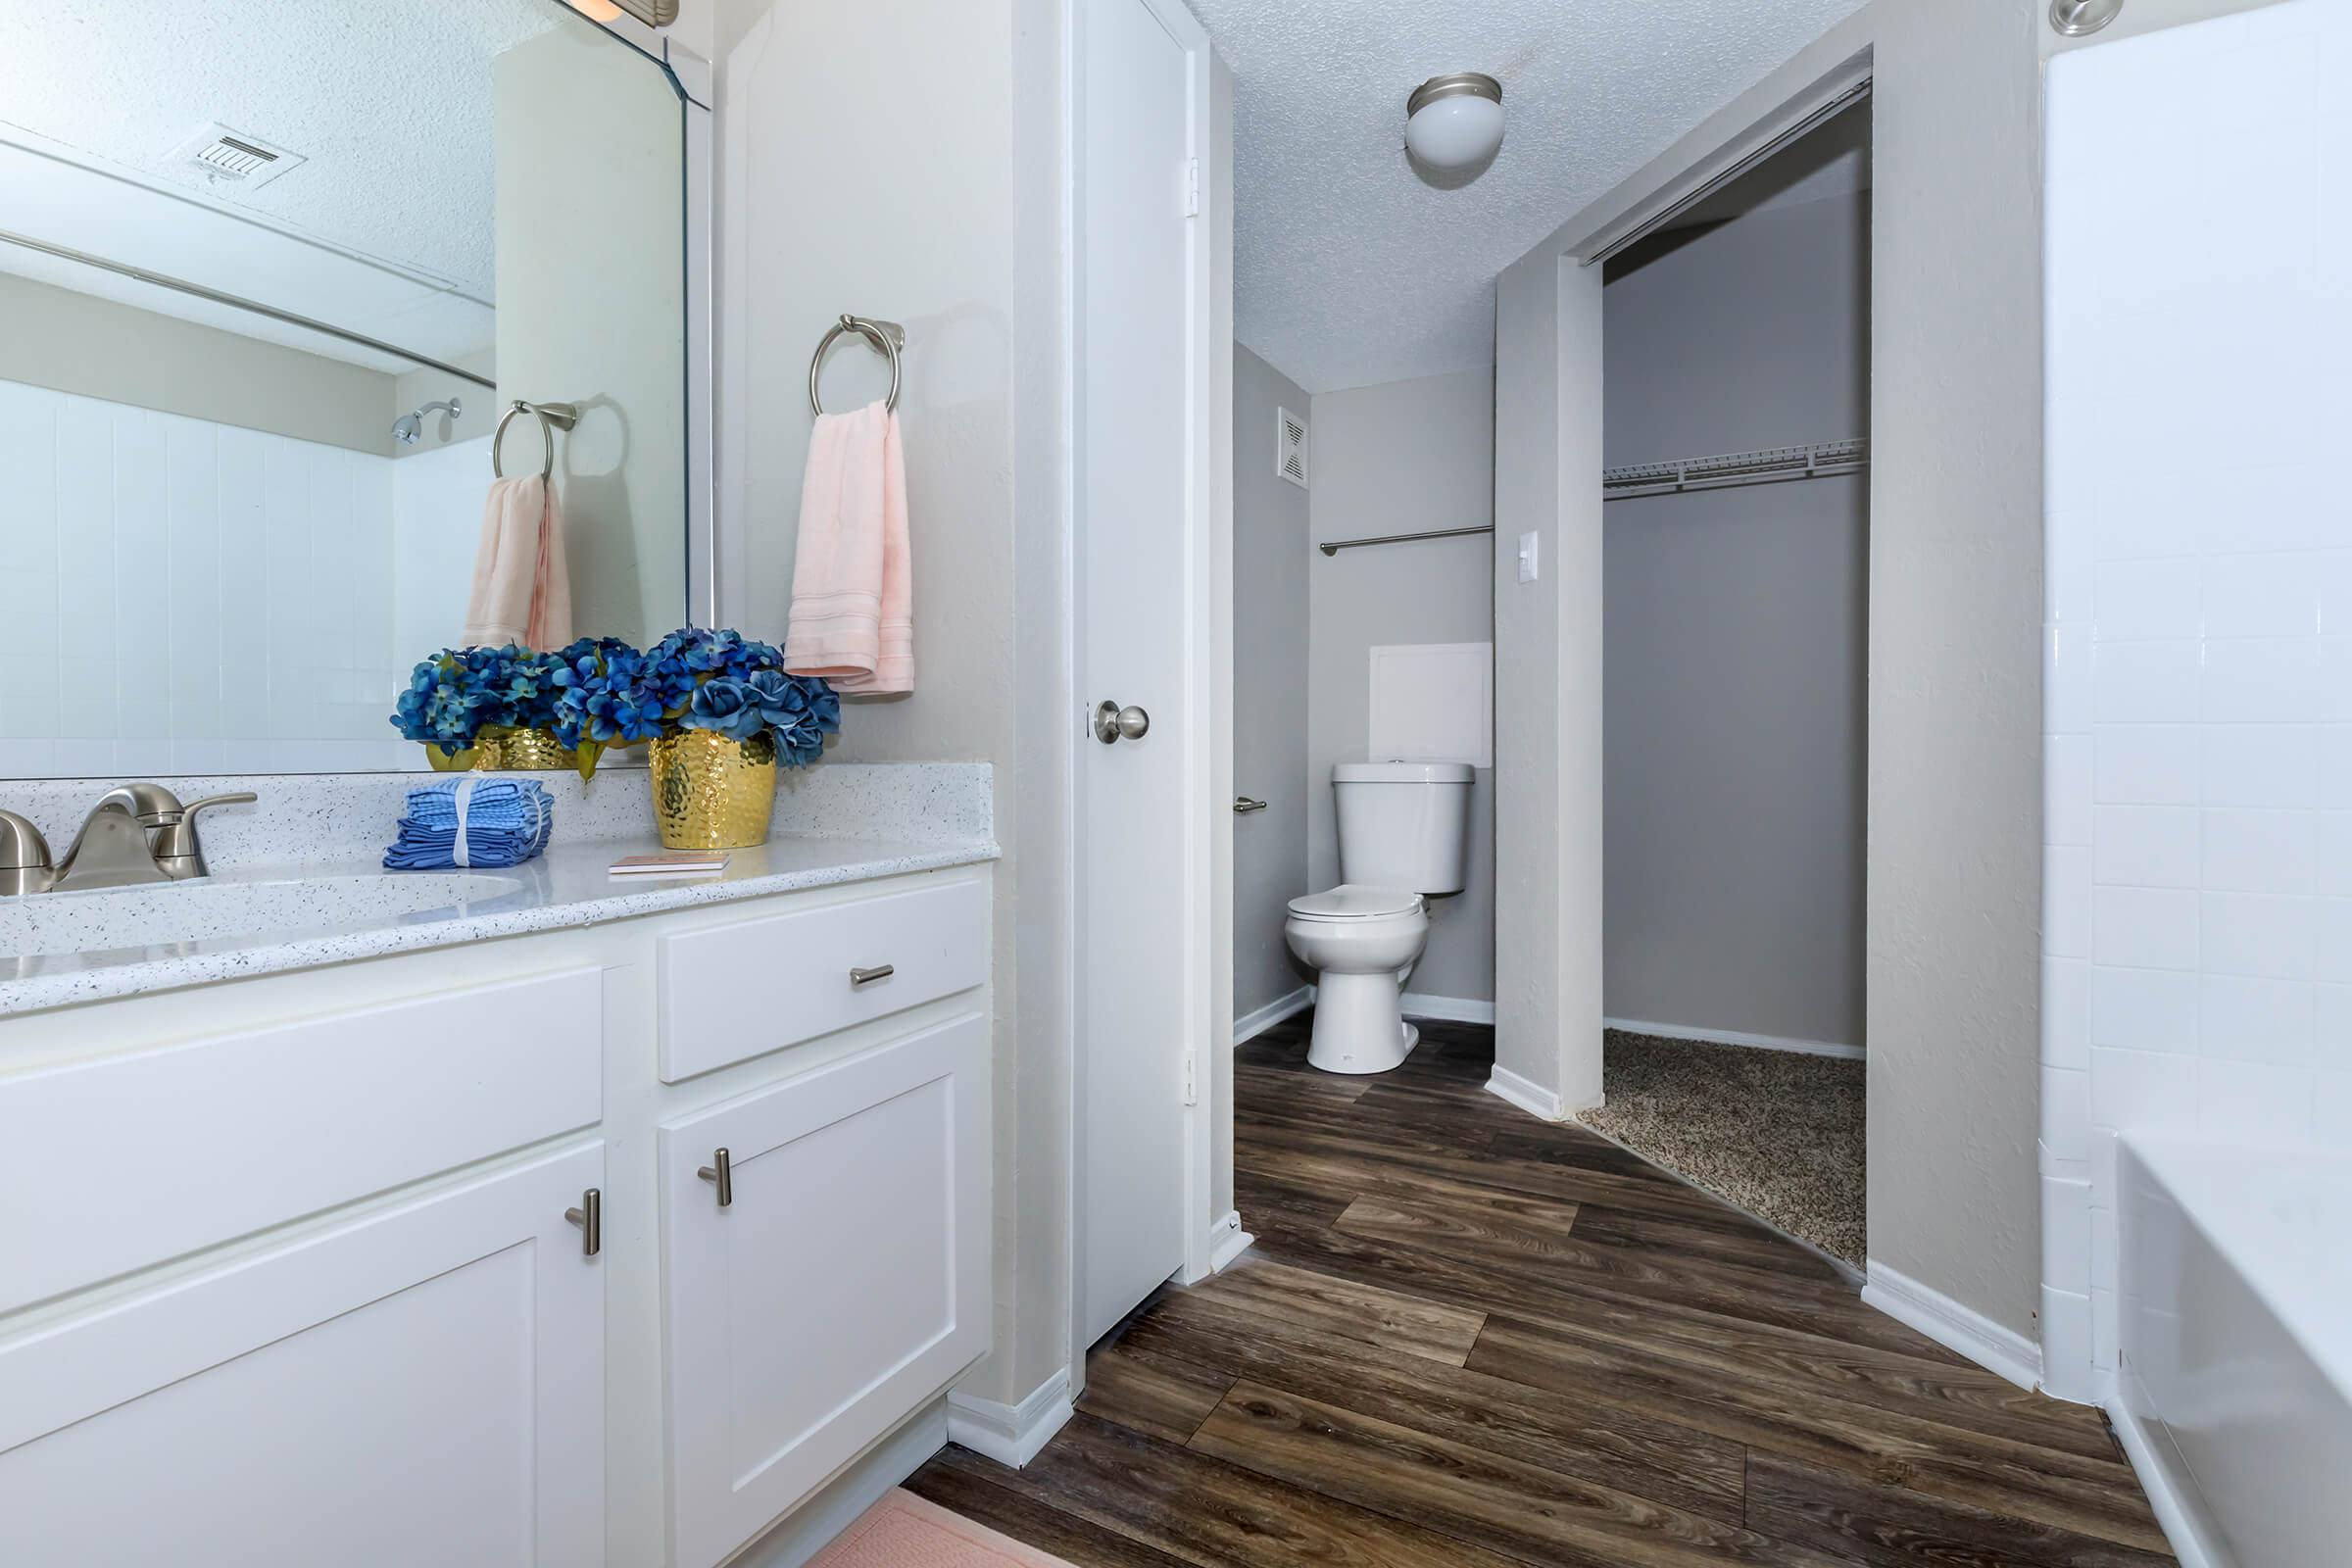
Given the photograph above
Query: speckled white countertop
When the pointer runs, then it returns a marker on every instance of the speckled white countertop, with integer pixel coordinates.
(331, 901)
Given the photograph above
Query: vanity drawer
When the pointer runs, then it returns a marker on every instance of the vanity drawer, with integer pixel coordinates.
(733, 991)
(110, 1165)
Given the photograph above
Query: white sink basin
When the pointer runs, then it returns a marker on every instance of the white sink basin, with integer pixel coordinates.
(179, 913)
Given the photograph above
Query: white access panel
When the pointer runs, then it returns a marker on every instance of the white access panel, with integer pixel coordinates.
(1433, 703)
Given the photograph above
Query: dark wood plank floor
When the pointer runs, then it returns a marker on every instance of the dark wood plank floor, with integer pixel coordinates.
(1465, 1337)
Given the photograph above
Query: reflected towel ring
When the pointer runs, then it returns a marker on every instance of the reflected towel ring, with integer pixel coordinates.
(887, 337)
(553, 416)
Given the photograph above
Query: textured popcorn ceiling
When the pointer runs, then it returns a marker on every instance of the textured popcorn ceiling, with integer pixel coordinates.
(1350, 269)
(390, 100)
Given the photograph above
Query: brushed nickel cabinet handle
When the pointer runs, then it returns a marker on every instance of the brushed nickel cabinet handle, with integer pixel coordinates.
(590, 1219)
(720, 1173)
(864, 977)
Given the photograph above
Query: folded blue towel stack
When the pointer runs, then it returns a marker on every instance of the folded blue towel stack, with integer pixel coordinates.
(473, 820)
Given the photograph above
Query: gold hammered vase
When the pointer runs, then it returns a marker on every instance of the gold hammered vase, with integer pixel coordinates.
(534, 750)
(480, 757)
(713, 793)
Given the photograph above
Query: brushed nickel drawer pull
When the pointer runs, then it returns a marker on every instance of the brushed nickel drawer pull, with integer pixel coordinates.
(720, 1173)
(590, 1219)
(880, 971)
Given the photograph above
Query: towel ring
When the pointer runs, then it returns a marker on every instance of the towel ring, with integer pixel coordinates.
(553, 416)
(887, 337)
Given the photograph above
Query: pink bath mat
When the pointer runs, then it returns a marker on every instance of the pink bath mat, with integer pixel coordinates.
(903, 1530)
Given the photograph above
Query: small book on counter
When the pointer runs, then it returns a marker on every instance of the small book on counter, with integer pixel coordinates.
(686, 863)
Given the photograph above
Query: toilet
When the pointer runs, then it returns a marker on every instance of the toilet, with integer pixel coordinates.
(1404, 837)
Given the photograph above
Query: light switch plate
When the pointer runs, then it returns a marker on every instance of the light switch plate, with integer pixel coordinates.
(1528, 572)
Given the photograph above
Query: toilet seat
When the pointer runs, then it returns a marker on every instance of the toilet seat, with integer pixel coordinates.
(1348, 901)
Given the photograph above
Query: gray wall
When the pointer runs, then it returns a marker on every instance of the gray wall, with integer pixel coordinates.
(1399, 458)
(1955, 664)
(1270, 578)
(1734, 747)
(95, 348)
(1954, 863)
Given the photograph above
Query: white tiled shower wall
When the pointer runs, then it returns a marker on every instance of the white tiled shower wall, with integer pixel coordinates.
(2197, 883)
(188, 597)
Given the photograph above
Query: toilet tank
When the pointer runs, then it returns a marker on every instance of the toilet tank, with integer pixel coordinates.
(1404, 826)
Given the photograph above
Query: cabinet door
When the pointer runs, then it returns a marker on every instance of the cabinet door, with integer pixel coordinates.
(844, 1284)
(422, 1385)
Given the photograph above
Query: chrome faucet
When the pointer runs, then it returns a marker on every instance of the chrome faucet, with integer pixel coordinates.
(137, 834)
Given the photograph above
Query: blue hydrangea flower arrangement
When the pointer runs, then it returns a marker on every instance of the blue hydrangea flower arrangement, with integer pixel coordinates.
(611, 694)
(460, 693)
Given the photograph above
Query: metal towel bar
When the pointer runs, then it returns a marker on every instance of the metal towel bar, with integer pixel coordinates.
(553, 416)
(887, 337)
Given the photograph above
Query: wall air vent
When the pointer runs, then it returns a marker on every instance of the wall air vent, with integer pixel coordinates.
(1290, 446)
(225, 157)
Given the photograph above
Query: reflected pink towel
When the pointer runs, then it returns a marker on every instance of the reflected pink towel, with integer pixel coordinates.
(521, 587)
(853, 577)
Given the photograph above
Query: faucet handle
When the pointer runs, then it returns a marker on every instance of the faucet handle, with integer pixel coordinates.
(24, 857)
(176, 850)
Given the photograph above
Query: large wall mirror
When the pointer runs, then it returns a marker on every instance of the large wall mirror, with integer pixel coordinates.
(271, 271)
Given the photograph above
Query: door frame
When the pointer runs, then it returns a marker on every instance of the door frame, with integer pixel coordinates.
(1202, 731)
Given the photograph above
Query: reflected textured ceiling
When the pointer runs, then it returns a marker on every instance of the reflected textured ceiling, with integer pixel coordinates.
(1349, 268)
(390, 102)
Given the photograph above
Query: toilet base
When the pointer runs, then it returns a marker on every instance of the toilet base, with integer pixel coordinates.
(1359, 1025)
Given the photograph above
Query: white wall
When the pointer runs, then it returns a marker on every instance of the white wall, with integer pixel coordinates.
(193, 596)
(1404, 457)
(2197, 924)
(1738, 619)
(1954, 798)
(904, 161)
(592, 311)
(1270, 699)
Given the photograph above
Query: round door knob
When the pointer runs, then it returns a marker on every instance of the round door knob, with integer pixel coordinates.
(1113, 723)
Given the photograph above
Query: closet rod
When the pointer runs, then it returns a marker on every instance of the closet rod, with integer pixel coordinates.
(1770, 466)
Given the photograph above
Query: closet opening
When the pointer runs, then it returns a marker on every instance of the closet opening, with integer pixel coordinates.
(1736, 582)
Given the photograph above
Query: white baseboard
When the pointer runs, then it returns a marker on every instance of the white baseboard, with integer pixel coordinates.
(1955, 1327)
(1249, 1025)
(1735, 1036)
(1227, 1242)
(859, 1485)
(1534, 1099)
(1011, 1433)
(1448, 1009)
(2173, 1494)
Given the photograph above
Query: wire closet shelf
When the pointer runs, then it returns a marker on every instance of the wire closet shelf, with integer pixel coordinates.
(1823, 460)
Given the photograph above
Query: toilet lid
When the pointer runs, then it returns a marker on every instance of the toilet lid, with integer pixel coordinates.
(1347, 901)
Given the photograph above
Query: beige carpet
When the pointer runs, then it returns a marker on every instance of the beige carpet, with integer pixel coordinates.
(1774, 1132)
(904, 1531)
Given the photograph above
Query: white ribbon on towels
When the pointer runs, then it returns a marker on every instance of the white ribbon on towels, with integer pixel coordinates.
(464, 798)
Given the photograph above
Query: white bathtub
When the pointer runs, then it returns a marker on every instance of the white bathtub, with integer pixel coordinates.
(2234, 1340)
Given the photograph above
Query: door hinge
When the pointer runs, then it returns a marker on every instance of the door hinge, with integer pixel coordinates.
(1192, 1078)
(1192, 188)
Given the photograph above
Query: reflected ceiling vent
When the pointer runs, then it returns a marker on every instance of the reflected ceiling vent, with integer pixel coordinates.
(1290, 446)
(226, 157)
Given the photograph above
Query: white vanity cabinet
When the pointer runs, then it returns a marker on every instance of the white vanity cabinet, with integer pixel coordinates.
(827, 1271)
(419, 1385)
(297, 1269)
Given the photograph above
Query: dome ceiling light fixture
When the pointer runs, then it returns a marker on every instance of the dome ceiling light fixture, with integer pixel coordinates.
(1455, 120)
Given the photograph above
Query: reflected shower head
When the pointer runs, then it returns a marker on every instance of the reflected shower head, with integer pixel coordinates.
(409, 428)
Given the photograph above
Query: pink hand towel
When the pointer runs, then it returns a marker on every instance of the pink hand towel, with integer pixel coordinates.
(521, 587)
(853, 575)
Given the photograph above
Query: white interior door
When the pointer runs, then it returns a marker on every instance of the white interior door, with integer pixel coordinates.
(1140, 534)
